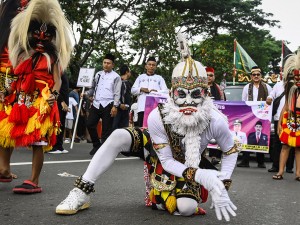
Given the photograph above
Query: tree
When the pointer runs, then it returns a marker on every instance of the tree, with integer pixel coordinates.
(154, 35)
(217, 52)
(135, 29)
(212, 17)
(94, 27)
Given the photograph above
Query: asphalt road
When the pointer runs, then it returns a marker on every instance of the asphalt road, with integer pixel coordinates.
(119, 196)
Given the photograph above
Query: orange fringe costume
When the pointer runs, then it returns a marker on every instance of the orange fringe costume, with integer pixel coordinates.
(31, 121)
(290, 134)
(6, 78)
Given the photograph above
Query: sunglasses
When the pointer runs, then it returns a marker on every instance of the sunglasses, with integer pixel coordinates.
(256, 74)
(210, 75)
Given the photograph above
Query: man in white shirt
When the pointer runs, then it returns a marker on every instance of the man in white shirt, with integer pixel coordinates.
(105, 90)
(256, 90)
(146, 83)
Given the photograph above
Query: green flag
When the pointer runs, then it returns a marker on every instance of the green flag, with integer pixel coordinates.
(243, 61)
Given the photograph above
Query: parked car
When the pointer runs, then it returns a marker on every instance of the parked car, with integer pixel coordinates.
(234, 93)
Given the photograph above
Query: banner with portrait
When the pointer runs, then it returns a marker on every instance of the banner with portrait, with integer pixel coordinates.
(249, 122)
(152, 100)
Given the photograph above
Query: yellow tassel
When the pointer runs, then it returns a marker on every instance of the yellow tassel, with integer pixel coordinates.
(31, 125)
(37, 102)
(151, 195)
(45, 126)
(8, 109)
(5, 127)
(171, 204)
(44, 106)
(47, 148)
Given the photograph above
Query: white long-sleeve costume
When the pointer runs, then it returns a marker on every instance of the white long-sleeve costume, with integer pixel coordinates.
(217, 129)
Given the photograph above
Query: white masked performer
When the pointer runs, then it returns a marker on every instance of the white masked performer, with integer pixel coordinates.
(180, 131)
(39, 45)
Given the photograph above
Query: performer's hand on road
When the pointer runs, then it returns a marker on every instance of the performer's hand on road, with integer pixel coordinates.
(210, 180)
(223, 205)
(113, 111)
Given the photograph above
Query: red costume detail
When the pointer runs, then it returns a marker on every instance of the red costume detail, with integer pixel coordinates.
(31, 115)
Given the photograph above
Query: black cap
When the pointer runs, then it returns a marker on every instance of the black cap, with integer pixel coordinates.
(110, 57)
(258, 123)
(151, 58)
(124, 69)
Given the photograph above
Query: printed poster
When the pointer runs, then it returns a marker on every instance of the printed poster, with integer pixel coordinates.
(249, 122)
(151, 103)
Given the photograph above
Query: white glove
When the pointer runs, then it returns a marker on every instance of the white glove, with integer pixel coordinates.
(223, 205)
(210, 180)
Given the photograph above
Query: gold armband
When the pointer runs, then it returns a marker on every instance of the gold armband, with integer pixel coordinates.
(234, 149)
(189, 174)
(227, 183)
(157, 147)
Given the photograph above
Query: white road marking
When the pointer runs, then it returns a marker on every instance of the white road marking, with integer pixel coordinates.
(67, 161)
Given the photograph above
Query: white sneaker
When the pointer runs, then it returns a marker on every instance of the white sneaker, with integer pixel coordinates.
(55, 152)
(76, 200)
(67, 141)
(64, 151)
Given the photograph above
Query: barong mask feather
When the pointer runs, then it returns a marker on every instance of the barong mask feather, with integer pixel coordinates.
(47, 18)
(189, 80)
(292, 77)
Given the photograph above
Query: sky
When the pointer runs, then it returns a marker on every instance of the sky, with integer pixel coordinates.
(287, 12)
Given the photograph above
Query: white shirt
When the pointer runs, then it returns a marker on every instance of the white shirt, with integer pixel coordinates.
(218, 130)
(107, 90)
(278, 89)
(72, 102)
(155, 81)
(240, 136)
(255, 92)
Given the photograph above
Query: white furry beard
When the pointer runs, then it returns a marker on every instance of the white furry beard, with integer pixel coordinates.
(189, 126)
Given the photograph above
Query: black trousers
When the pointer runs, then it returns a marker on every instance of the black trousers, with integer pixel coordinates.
(215, 153)
(107, 121)
(140, 119)
(81, 126)
(260, 158)
(275, 155)
(60, 136)
(122, 119)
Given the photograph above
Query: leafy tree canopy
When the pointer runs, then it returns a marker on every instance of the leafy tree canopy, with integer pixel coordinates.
(136, 29)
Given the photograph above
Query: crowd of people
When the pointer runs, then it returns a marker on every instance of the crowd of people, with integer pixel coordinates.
(115, 106)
